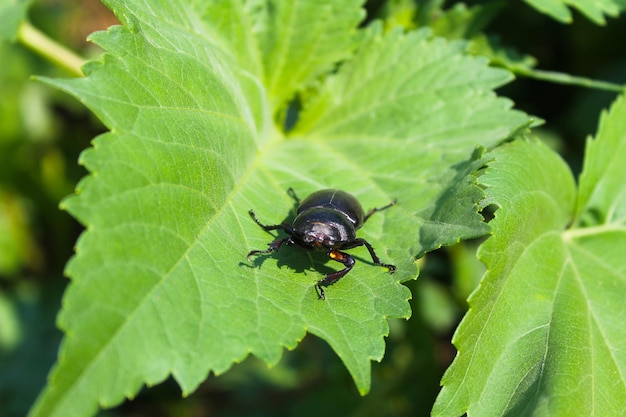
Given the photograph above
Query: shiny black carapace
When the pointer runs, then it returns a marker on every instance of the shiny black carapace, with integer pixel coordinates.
(326, 221)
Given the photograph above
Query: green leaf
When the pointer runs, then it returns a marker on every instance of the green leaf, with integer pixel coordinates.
(594, 10)
(160, 282)
(462, 22)
(602, 197)
(282, 61)
(12, 14)
(544, 332)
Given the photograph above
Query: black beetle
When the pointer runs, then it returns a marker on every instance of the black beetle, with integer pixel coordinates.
(327, 221)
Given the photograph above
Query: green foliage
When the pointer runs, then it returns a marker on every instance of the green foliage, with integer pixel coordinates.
(12, 13)
(544, 333)
(217, 107)
(601, 201)
(594, 10)
(161, 274)
(406, 12)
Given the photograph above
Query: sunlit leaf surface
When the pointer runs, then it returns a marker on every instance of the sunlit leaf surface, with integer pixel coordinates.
(545, 332)
(195, 107)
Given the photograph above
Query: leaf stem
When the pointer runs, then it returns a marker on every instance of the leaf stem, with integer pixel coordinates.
(594, 230)
(563, 78)
(49, 49)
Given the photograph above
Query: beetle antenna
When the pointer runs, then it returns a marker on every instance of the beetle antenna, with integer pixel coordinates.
(267, 228)
(377, 209)
(293, 195)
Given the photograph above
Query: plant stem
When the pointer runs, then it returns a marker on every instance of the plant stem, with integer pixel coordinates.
(562, 78)
(51, 50)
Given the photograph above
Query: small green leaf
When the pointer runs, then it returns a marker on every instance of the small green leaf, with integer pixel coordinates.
(544, 332)
(160, 281)
(602, 197)
(594, 10)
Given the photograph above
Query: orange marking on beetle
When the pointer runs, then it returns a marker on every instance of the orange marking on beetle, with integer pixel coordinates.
(337, 256)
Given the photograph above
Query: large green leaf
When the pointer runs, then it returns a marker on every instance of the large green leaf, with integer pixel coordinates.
(160, 282)
(544, 335)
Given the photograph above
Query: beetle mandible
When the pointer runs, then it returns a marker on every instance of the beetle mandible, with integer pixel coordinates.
(326, 221)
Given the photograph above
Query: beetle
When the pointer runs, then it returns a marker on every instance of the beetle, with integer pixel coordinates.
(326, 221)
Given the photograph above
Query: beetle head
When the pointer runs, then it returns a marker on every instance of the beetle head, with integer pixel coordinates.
(320, 236)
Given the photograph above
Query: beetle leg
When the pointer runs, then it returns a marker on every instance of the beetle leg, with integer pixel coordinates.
(370, 249)
(330, 279)
(377, 209)
(272, 247)
(276, 244)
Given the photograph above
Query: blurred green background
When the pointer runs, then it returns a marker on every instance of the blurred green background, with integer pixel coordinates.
(42, 132)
